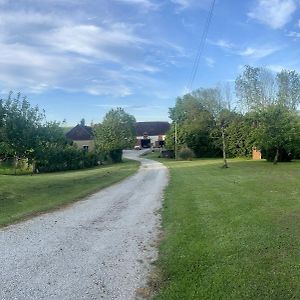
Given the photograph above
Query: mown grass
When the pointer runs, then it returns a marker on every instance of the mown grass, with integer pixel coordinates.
(9, 170)
(24, 196)
(231, 233)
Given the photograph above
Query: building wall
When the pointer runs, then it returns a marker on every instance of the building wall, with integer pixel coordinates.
(256, 154)
(89, 143)
(154, 139)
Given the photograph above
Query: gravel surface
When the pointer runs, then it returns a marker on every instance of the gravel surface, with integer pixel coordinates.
(98, 248)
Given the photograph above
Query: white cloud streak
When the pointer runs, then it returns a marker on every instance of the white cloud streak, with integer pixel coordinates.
(294, 34)
(188, 4)
(253, 52)
(258, 52)
(210, 61)
(274, 13)
(222, 44)
(40, 51)
(147, 4)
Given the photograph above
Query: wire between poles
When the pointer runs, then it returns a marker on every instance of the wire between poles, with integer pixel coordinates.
(201, 46)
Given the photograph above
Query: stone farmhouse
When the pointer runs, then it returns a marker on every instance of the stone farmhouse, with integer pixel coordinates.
(82, 136)
(149, 134)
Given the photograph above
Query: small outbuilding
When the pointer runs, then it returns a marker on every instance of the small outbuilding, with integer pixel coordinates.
(256, 154)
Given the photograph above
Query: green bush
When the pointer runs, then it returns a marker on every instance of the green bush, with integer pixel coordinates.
(186, 153)
(62, 158)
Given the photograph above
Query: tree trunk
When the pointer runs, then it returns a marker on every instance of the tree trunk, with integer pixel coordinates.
(225, 165)
(116, 155)
(276, 157)
(175, 142)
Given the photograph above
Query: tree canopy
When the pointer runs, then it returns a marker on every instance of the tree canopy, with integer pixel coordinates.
(26, 135)
(273, 98)
(194, 113)
(115, 133)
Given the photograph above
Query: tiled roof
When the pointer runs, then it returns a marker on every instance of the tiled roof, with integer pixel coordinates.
(152, 128)
(80, 133)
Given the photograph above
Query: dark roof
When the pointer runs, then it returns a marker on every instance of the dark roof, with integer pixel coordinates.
(151, 128)
(80, 133)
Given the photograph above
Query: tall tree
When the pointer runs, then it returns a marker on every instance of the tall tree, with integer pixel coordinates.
(115, 133)
(288, 94)
(20, 124)
(255, 88)
(278, 132)
(274, 100)
(194, 114)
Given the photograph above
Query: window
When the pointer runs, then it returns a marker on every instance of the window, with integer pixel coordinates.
(85, 147)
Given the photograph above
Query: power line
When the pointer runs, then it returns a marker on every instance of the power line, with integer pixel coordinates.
(201, 46)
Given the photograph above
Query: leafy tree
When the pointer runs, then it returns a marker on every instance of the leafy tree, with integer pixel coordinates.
(288, 94)
(278, 132)
(255, 88)
(115, 133)
(20, 124)
(26, 136)
(194, 116)
(240, 135)
(273, 99)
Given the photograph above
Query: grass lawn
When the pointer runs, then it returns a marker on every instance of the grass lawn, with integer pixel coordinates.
(231, 233)
(24, 196)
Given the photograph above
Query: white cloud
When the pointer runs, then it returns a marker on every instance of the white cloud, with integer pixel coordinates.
(26, 67)
(56, 52)
(93, 41)
(145, 4)
(258, 52)
(43, 49)
(255, 52)
(294, 34)
(187, 4)
(182, 3)
(210, 61)
(274, 13)
(222, 44)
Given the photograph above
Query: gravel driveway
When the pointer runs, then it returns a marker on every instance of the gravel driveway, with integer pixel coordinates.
(98, 248)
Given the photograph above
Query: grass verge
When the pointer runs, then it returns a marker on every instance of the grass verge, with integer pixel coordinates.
(231, 233)
(24, 196)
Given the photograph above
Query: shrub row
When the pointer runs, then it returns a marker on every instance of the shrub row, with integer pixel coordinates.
(57, 158)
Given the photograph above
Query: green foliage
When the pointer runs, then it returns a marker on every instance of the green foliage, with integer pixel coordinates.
(255, 88)
(288, 83)
(27, 136)
(115, 133)
(273, 101)
(258, 88)
(186, 153)
(239, 133)
(65, 157)
(278, 128)
(19, 126)
(194, 114)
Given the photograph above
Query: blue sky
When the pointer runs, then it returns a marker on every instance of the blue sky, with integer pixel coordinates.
(80, 58)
